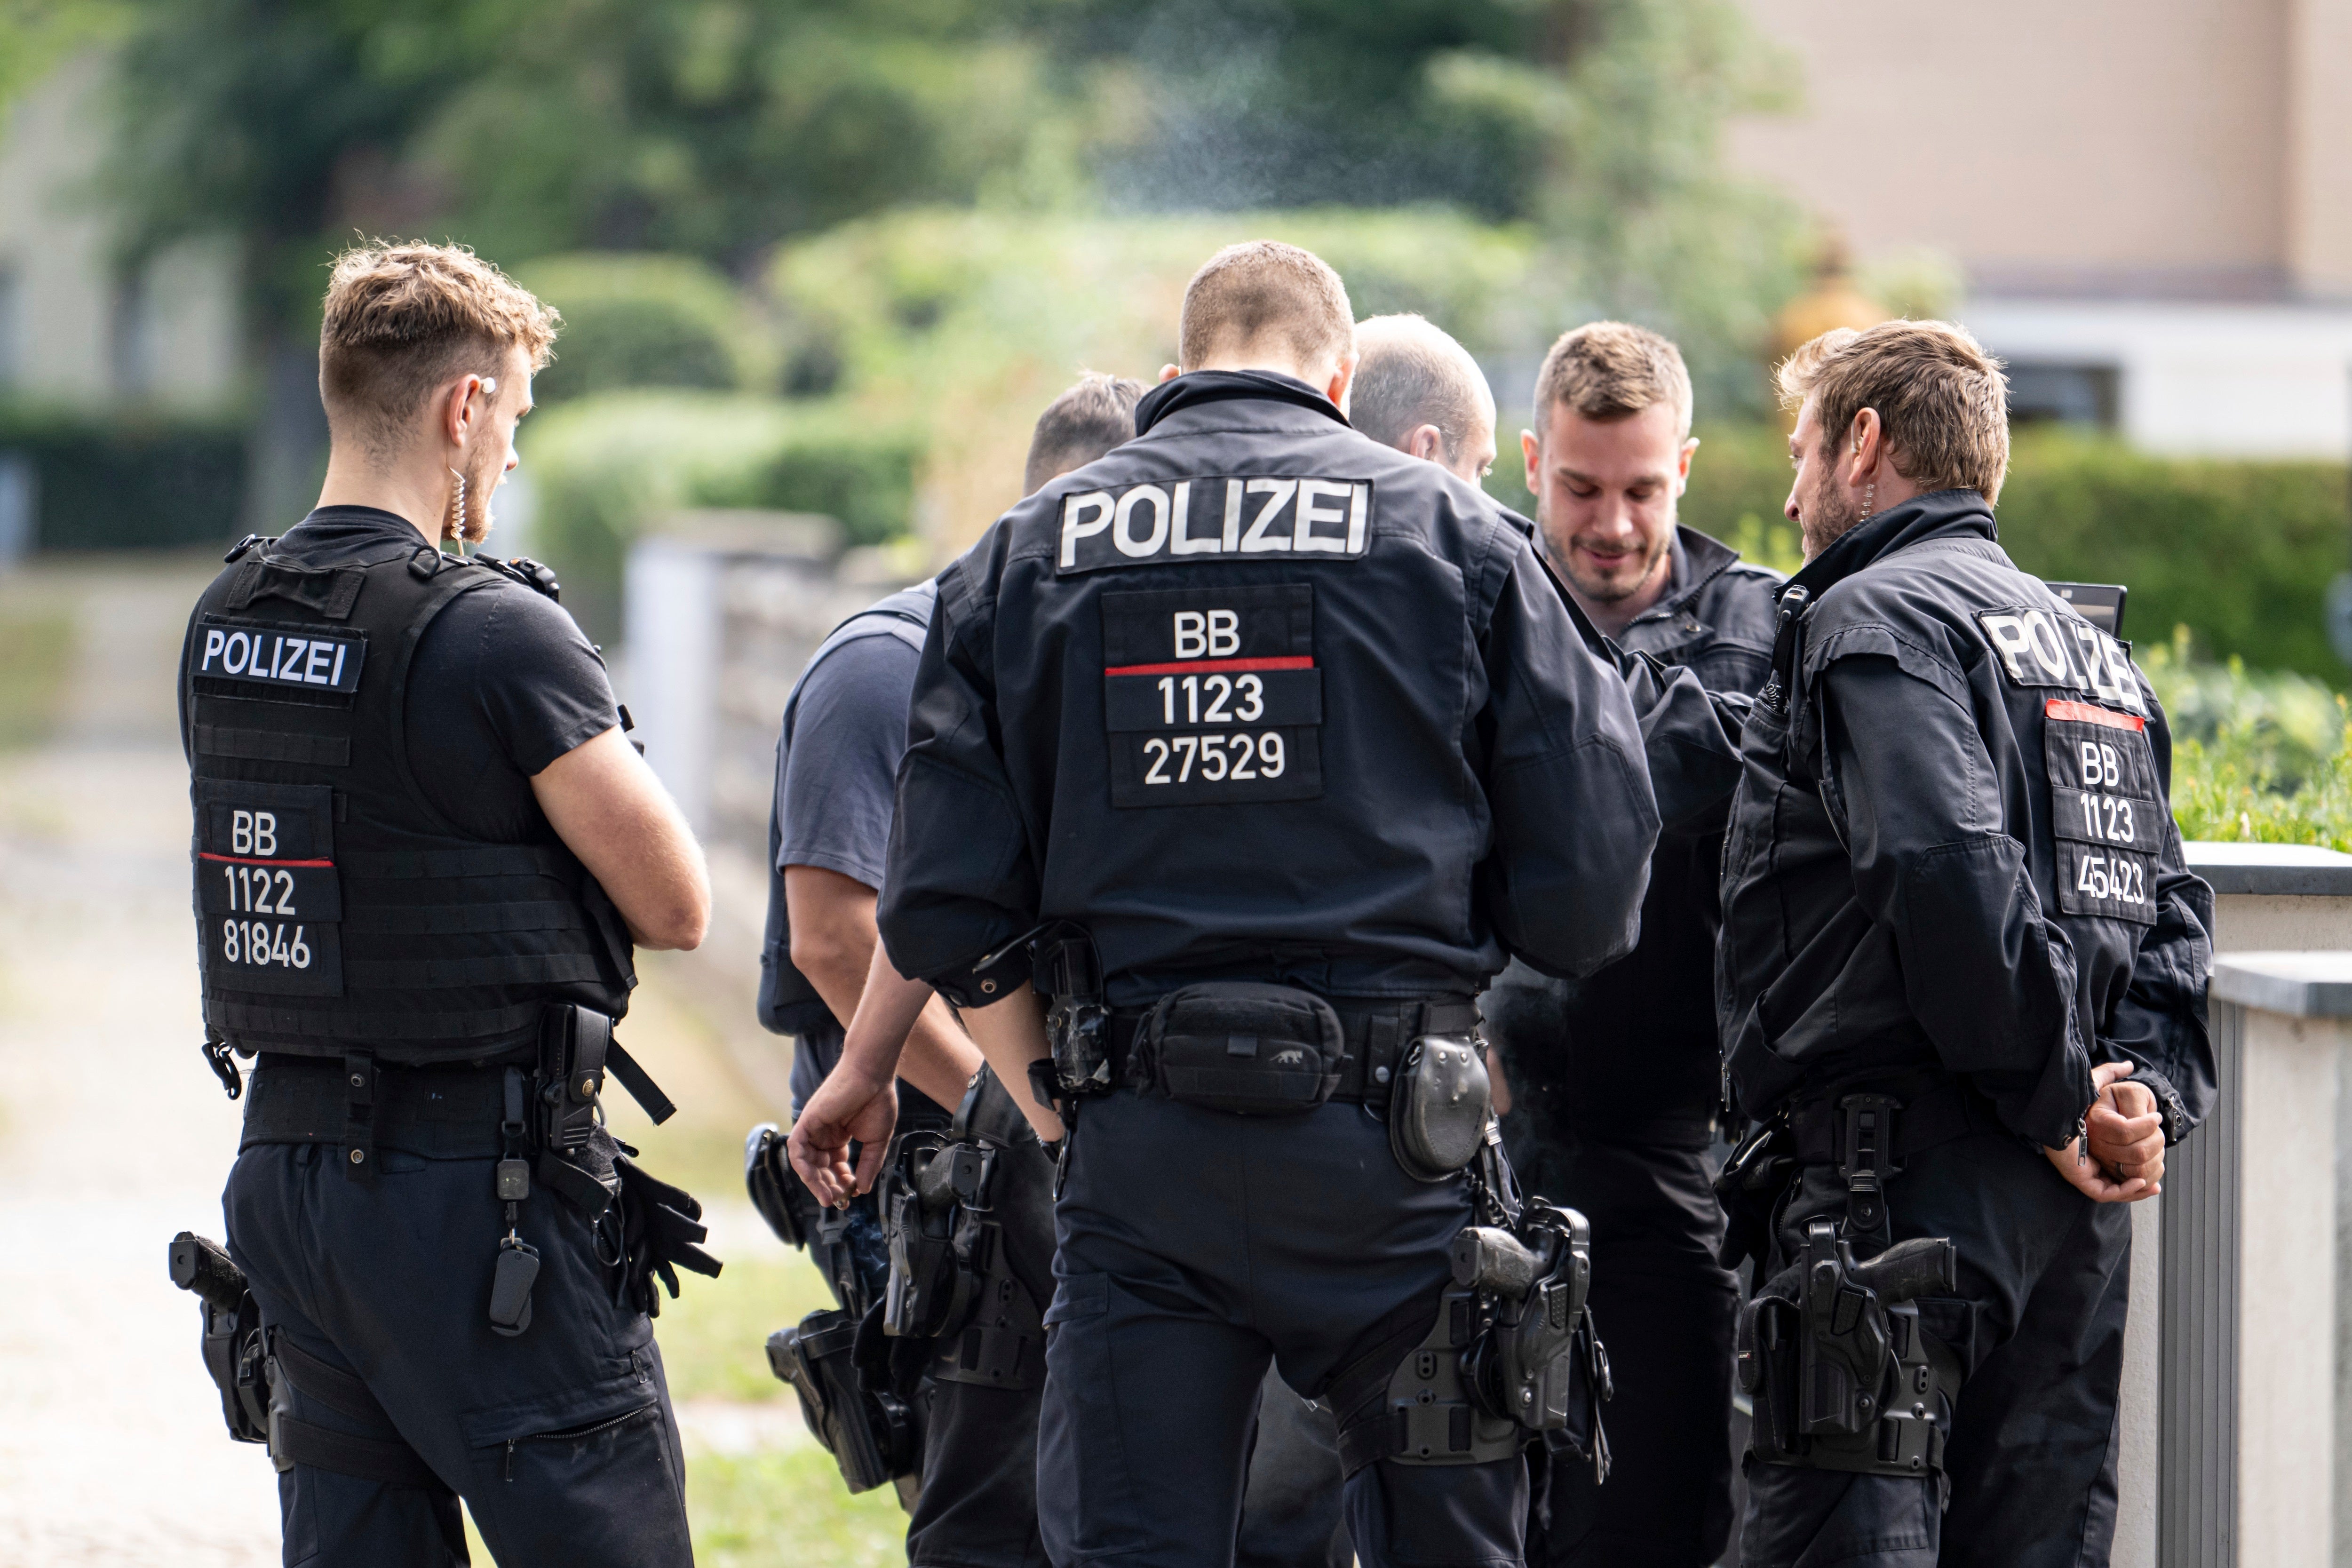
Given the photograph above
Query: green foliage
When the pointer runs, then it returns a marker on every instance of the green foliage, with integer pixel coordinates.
(607, 466)
(788, 1510)
(642, 320)
(118, 482)
(37, 649)
(2262, 757)
(36, 35)
(2240, 553)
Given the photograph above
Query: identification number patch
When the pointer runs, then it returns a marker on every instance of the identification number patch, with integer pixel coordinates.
(264, 660)
(1211, 696)
(2106, 812)
(1176, 524)
(269, 898)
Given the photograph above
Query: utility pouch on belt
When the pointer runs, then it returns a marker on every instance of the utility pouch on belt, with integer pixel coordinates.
(1833, 1352)
(777, 1191)
(870, 1436)
(1439, 1106)
(1244, 1047)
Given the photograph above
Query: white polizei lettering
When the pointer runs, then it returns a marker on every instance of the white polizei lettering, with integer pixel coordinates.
(215, 639)
(1359, 505)
(2049, 648)
(1098, 504)
(312, 675)
(1309, 514)
(1181, 539)
(1232, 540)
(1122, 532)
(2119, 667)
(2008, 640)
(338, 675)
(1277, 492)
(291, 667)
(240, 650)
(1192, 637)
(1224, 633)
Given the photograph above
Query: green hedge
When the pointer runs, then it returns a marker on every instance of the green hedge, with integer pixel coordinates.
(643, 320)
(2240, 553)
(130, 481)
(606, 467)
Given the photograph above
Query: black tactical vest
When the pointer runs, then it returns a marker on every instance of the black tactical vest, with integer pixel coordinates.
(789, 1004)
(337, 908)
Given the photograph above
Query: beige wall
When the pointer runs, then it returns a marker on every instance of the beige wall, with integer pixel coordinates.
(2074, 142)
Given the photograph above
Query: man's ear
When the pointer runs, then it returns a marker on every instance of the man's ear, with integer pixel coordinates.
(1532, 451)
(1426, 442)
(1341, 380)
(1682, 469)
(1167, 373)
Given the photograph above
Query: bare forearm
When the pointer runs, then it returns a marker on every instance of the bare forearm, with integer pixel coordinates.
(610, 810)
(1011, 1034)
(940, 1059)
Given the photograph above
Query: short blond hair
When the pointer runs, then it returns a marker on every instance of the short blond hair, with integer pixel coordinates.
(1410, 372)
(400, 319)
(1612, 370)
(1941, 399)
(1262, 289)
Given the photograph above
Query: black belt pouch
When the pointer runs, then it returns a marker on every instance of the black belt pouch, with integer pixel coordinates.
(1242, 1047)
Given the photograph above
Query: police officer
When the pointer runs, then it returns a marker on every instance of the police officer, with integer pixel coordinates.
(1289, 737)
(1961, 986)
(423, 852)
(1617, 1074)
(977, 1495)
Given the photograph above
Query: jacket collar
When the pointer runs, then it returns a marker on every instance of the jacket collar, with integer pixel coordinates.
(1939, 514)
(1205, 386)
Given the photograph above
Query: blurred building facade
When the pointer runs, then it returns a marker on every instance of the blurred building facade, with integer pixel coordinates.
(77, 326)
(2151, 199)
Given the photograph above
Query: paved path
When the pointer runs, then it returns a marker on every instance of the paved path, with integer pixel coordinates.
(112, 1135)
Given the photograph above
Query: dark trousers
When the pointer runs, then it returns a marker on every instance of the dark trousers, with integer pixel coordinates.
(561, 1440)
(1667, 1312)
(1196, 1248)
(2037, 1326)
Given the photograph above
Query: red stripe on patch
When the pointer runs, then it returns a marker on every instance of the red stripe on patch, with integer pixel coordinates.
(2082, 713)
(253, 860)
(1212, 666)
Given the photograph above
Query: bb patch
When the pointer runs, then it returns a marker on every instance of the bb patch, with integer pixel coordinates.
(269, 897)
(2107, 814)
(1213, 696)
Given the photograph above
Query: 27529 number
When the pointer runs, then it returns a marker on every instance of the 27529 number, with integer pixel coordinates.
(1219, 756)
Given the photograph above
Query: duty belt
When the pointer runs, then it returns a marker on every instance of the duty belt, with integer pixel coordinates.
(442, 1113)
(1868, 1132)
(1376, 1033)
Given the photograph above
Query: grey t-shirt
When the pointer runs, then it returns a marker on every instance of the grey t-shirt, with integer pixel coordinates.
(839, 790)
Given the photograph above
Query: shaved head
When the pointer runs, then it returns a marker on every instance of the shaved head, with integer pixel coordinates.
(1412, 374)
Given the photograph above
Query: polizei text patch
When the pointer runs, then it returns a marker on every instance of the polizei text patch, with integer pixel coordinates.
(1188, 521)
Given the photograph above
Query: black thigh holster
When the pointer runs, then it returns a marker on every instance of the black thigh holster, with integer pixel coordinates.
(1842, 1374)
(871, 1434)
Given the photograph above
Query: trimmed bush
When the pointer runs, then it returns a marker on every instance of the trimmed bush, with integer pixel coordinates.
(606, 467)
(642, 320)
(128, 481)
(2240, 553)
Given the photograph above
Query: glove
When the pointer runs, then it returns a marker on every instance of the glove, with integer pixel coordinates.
(660, 1224)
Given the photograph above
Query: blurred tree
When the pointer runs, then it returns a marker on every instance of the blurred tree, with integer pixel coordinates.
(35, 35)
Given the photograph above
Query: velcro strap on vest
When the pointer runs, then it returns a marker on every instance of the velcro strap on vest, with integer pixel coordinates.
(274, 746)
(480, 860)
(471, 919)
(442, 974)
(236, 1019)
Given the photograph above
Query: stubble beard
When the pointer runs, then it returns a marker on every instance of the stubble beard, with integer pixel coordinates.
(1829, 515)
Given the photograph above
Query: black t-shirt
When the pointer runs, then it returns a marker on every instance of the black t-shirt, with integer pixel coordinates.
(501, 685)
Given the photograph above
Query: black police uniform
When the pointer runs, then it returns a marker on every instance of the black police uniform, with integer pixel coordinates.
(975, 1393)
(1951, 885)
(387, 919)
(1615, 1082)
(1256, 699)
